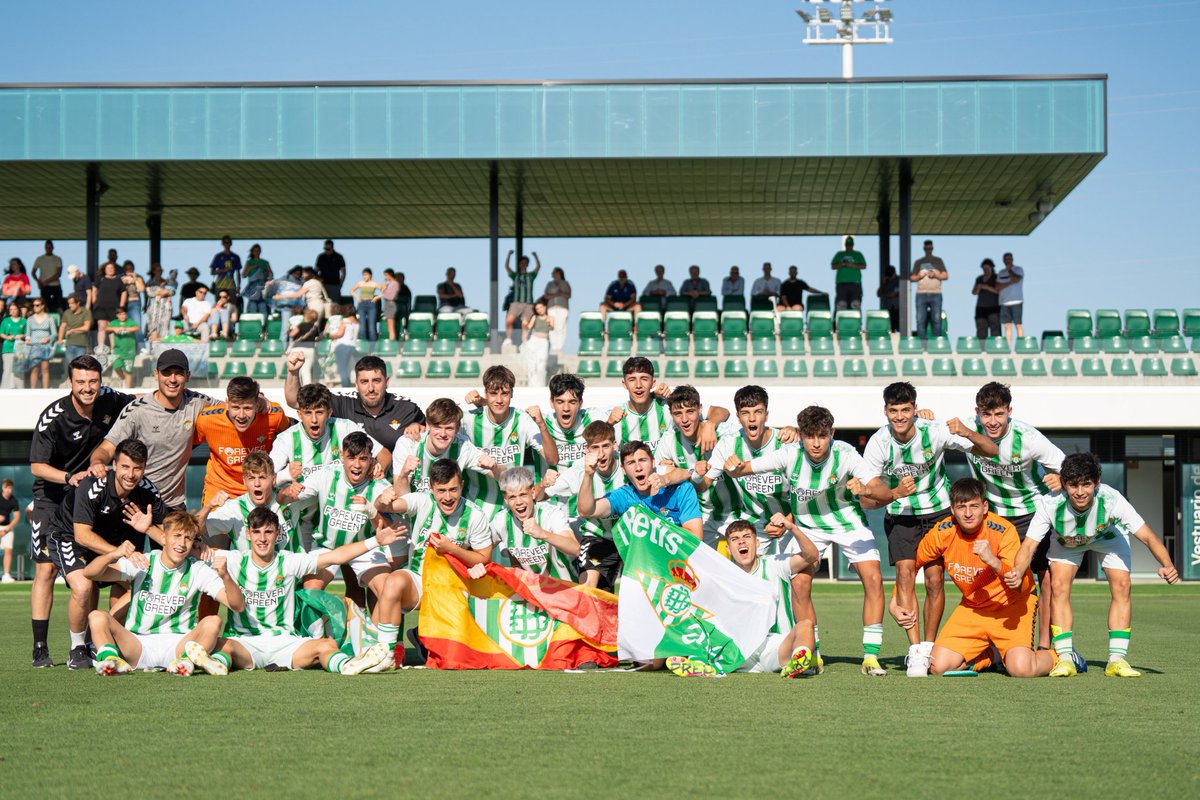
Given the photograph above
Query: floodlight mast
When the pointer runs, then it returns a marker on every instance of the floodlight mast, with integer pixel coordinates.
(846, 28)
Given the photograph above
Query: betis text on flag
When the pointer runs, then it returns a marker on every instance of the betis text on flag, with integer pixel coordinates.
(680, 597)
(512, 619)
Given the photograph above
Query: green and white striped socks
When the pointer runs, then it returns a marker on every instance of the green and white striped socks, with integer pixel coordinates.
(107, 651)
(336, 662)
(1118, 644)
(1063, 641)
(388, 634)
(872, 639)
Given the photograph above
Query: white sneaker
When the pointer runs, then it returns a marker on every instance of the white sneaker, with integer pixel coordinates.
(368, 660)
(917, 661)
(6, 578)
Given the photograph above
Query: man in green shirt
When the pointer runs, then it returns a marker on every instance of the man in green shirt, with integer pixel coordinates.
(73, 330)
(521, 307)
(124, 347)
(849, 265)
(12, 330)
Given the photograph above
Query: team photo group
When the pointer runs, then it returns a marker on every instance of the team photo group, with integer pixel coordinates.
(559, 512)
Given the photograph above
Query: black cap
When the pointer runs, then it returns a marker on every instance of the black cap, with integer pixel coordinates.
(172, 358)
(193, 271)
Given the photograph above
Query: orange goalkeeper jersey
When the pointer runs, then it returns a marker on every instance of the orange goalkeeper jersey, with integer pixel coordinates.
(228, 448)
(980, 586)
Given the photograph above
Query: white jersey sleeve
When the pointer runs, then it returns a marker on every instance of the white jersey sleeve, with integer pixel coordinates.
(1043, 517)
(297, 565)
(126, 569)
(720, 454)
(665, 449)
(778, 566)
(281, 455)
(1043, 451)
(418, 503)
(943, 440)
(205, 579)
(479, 532)
(404, 448)
(469, 455)
(554, 518)
(529, 433)
(776, 460)
(224, 519)
(1124, 513)
(858, 465)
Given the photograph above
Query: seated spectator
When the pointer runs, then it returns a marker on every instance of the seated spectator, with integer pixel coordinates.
(621, 295)
(694, 286)
(196, 311)
(660, 288)
(791, 291)
(766, 286)
(450, 294)
(222, 315)
(734, 283)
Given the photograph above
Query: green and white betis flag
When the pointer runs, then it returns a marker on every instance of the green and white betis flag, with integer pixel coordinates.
(679, 597)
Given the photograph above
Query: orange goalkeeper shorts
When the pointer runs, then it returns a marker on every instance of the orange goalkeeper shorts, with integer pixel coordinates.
(969, 631)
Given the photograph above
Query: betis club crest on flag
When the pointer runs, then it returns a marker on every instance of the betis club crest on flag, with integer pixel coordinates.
(680, 597)
(512, 619)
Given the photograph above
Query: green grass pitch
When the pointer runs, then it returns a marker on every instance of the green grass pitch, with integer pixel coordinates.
(532, 735)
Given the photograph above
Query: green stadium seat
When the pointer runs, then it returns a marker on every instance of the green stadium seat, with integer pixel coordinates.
(1079, 323)
(733, 302)
(213, 371)
(619, 347)
(706, 369)
(996, 346)
(737, 368)
(1055, 346)
(705, 345)
(677, 323)
(1183, 367)
(620, 325)
(792, 346)
(852, 346)
(1172, 345)
(820, 324)
(264, 371)
(1108, 323)
(244, 348)
(854, 368)
(439, 369)
(1137, 322)
(1166, 323)
(425, 304)
(734, 346)
(588, 368)
(447, 326)
(877, 323)
(821, 346)
(677, 345)
(472, 348)
(1191, 322)
(939, 346)
(1153, 367)
(762, 324)
(974, 368)
(323, 347)
(677, 368)
(1033, 367)
(766, 368)
(250, 327)
(795, 368)
(234, 369)
(217, 348)
(791, 324)
(677, 303)
(818, 302)
(763, 346)
(968, 346)
(649, 323)
(477, 325)
(1028, 346)
(420, 325)
(1123, 368)
(1196, 344)
(273, 348)
(913, 368)
(705, 323)
(648, 346)
(614, 368)
(706, 303)
(591, 325)
(758, 303)
(1093, 368)
(733, 325)
(1114, 345)
(884, 368)
(444, 347)
(1004, 368)
(591, 347)
(1143, 345)
(415, 348)
(929, 327)
(1085, 346)
(910, 346)
(824, 368)
(1063, 368)
(274, 327)
(848, 323)
(467, 369)
(944, 368)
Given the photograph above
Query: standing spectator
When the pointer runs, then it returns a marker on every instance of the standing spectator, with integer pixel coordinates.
(83, 288)
(450, 294)
(221, 317)
(849, 264)
(159, 292)
(658, 289)
(196, 311)
(366, 293)
(73, 331)
(110, 295)
(226, 268)
(889, 295)
(987, 301)
(12, 331)
(928, 272)
(188, 290)
(791, 291)
(47, 271)
(694, 287)
(536, 349)
(558, 302)
(313, 292)
(38, 344)
(255, 276)
(304, 336)
(734, 283)
(621, 295)
(766, 286)
(112, 259)
(10, 515)
(344, 334)
(331, 268)
(396, 300)
(1012, 297)
(521, 308)
(135, 291)
(124, 347)
(16, 281)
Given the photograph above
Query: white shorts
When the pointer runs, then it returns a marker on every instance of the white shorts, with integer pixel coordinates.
(857, 545)
(6, 541)
(416, 579)
(766, 657)
(270, 649)
(372, 559)
(158, 649)
(1115, 551)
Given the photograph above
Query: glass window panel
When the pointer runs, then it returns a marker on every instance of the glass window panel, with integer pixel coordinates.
(153, 114)
(479, 109)
(370, 123)
(588, 122)
(116, 125)
(556, 121)
(736, 119)
(995, 118)
(443, 123)
(45, 125)
(12, 125)
(516, 123)
(810, 114)
(847, 134)
(625, 122)
(1034, 118)
(81, 116)
(662, 121)
(225, 123)
(1071, 119)
(885, 119)
(699, 121)
(408, 123)
(335, 124)
(922, 129)
(262, 123)
(958, 119)
(772, 132)
(297, 131)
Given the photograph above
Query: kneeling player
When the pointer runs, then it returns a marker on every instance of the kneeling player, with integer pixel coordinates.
(264, 632)
(978, 548)
(1089, 515)
(161, 631)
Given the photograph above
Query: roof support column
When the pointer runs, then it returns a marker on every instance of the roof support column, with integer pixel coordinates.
(494, 245)
(906, 182)
(154, 228)
(885, 234)
(94, 189)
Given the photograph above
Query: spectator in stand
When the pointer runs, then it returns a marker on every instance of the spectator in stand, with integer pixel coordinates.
(366, 297)
(226, 268)
(73, 331)
(659, 289)
(159, 291)
(733, 284)
(889, 295)
(112, 259)
(1012, 297)
(39, 339)
(110, 295)
(16, 281)
(928, 272)
(987, 301)
(255, 276)
(10, 515)
(124, 347)
(694, 287)
(558, 301)
(849, 265)
(396, 300)
(344, 335)
(188, 290)
(83, 288)
(450, 294)
(47, 271)
(221, 317)
(766, 286)
(12, 331)
(521, 308)
(536, 349)
(312, 290)
(304, 338)
(331, 268)
(135, 291)
(791, 292)
(196, 312)
(621, 295)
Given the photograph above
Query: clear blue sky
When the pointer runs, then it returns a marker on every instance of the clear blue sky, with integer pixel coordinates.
(1125, 237)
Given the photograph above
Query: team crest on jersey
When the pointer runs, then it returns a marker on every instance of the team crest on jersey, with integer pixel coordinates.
(928, 453)
(662, 427)
(833, 479)
(1016, 459)
(262, 439)
(394, 424)
(512, 437)
(187, 423)
(183, 587)
(279, 580)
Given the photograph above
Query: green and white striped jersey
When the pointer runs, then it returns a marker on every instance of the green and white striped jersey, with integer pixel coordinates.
(778, 575)
(819, 497)
(533, 554)
(1011, 478)
(566, 489)
(328, 492)
(570, 442)
(648, 427)
(230, 520)
(756, 498)
(922, 458)
(461, 451)
(294, 445)
(166, 600)
(506, 443)
(716, 502)
(270, 592)
(1110, 515)
(466, 527)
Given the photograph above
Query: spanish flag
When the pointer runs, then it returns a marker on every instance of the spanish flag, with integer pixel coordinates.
(512, 619)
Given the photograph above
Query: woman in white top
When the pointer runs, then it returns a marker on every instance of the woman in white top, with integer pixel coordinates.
(558, 297)
(343, 332)
(313, 292)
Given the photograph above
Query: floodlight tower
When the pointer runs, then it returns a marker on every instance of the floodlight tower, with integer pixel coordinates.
(848, 29)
